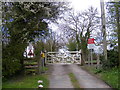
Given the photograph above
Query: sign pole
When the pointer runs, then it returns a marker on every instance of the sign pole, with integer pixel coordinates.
(43, 56)
(91, 58)
(90, 46)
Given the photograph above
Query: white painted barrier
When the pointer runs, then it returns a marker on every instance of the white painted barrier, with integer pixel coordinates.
(67, 57)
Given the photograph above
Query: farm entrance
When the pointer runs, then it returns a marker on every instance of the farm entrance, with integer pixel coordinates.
(71, 57)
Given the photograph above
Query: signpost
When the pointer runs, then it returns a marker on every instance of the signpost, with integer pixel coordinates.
(91, 41)
(42, 61)
(91, 47)
(29, 52)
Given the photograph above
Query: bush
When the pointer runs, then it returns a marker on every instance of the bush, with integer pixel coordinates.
(113, 57)
(112, 60)
(12, 59)
(10, 66)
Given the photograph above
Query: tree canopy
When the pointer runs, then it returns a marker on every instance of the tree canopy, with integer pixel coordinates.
(22, 22)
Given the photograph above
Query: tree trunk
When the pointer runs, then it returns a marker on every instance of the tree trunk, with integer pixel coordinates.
(83, 59)
(84, 50)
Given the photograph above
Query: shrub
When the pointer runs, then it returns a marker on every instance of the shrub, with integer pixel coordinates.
(112, 60)
(10, 66)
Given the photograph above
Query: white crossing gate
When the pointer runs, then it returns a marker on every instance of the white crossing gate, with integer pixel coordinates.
(69, 57)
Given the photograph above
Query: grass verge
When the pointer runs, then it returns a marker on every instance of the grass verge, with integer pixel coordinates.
(109, 76)
(74, 80)
(27, 82)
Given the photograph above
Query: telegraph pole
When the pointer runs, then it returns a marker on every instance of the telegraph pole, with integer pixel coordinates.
(118, 29)
(103, 28)
(51, 40)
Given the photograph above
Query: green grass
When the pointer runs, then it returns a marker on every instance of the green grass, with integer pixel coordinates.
(94, 61)
(27, 62)
(110, 76)
(45, 68)
(27, 82)
(74, 80)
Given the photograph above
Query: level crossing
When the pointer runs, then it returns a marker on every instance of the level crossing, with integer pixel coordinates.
(68, 57)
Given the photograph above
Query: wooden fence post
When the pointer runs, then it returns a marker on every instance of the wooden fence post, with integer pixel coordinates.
(39, 65)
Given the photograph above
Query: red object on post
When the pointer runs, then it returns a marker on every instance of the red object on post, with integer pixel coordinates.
(91, 41)
(30, 53)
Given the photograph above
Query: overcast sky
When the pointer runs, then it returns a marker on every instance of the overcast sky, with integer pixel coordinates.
(79, 5)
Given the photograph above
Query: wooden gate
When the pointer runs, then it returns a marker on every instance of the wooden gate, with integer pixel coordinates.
(71, 57)
(31, 65)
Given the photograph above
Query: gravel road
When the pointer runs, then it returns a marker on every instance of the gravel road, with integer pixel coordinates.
(86, 80)
(59, 77)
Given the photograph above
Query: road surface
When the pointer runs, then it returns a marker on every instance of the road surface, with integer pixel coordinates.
(59, 77)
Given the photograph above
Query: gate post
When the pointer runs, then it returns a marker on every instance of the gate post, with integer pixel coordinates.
(39, 65)
(45, 58)
(80, 58)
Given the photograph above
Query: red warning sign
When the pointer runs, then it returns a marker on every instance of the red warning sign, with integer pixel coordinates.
(91, 41)
(30, 53)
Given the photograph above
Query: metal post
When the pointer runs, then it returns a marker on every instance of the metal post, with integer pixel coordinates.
(80, 56)
(42, 64)
(45, 58)
(98, 60)
(91, 57)
(103, 29)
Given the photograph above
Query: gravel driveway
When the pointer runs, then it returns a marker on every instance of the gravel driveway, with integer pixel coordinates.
(59, 77)
(86, 80)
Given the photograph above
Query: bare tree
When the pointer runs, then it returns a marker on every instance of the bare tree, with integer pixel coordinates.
(54, 41)
(81, 25)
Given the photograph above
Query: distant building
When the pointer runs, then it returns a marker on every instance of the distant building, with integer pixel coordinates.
(29, 52)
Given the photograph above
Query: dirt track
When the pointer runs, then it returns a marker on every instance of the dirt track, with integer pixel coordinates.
(59, 77)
